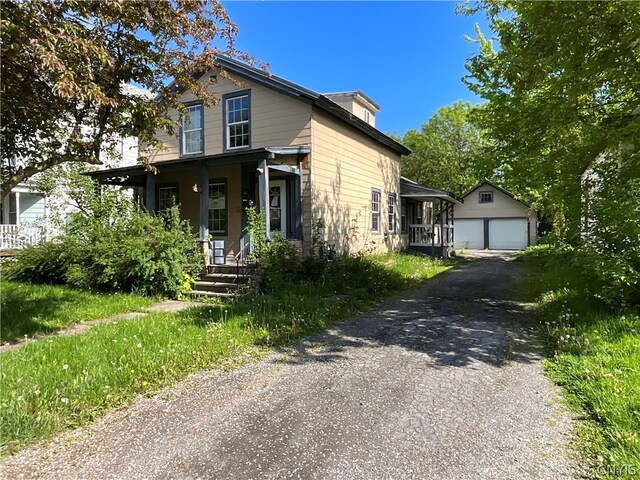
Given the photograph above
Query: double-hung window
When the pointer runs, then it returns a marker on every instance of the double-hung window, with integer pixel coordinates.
(392, 212)
(167, 197)
(375, 210)
(192, 130)
(403, 216)
(237, 121)
(218, 207)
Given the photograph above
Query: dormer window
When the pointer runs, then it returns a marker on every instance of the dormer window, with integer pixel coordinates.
(367, 116)
(192, 130)
(237, 118)
(486, 197)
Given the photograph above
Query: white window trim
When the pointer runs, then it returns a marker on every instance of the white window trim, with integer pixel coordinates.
(199, 108)
(228, 124)
(392, 202)
(377, 212)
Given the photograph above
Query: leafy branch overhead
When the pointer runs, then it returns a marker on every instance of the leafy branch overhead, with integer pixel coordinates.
(65, 65)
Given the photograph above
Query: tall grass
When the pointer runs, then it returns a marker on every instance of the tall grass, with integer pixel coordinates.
(63, 382)
(595, 355)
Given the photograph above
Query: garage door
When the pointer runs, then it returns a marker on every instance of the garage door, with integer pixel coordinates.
(508, 234)
(468, 234)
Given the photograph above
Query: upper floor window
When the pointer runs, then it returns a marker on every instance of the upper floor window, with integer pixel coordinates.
(375, 210)
(486, 197)
(367, 116)
(192, 131)
(237, 121)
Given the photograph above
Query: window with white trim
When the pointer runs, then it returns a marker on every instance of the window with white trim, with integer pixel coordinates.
(367, 116)
(218, 207)
(391, 197)
(375, 210)
(192, 131)
(403, 216)
(486, 197)
(237, 122)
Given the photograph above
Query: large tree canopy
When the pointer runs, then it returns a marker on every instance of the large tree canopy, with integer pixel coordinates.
(563, 98)
(447, 152)
(64, 64)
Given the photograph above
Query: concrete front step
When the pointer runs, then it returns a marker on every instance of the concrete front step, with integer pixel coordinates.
(203, 293)
(216, 286)
(225, 277)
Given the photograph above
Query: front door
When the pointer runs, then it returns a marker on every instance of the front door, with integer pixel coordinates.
(278, 206)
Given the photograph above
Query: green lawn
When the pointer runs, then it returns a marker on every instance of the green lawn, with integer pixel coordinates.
(595, 356)
(59, 383)
(28, 309)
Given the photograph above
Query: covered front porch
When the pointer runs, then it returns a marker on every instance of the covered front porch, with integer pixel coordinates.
(214, 192)
(428, 218)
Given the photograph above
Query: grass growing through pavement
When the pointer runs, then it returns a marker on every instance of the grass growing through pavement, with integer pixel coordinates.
(595, 356)
(28, 309)
(59, 383)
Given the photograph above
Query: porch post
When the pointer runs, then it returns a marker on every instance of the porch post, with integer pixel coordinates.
(433, 227)
(204, 203)
(297, 205)
(263, 188)
(441, 215)
(17, 208)
(150, 192)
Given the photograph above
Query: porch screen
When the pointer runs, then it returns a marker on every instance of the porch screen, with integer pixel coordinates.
(218, 208)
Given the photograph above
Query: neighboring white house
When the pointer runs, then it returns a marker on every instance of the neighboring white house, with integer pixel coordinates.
(492, 218)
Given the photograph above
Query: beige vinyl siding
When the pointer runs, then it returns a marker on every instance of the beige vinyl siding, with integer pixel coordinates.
(503, 206)
(277, 120)
(345, 166)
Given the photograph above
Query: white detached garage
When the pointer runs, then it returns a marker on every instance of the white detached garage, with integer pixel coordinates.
(492, 218)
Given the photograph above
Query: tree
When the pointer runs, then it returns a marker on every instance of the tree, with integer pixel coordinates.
(447, 152)
(563, 97)
(64, 64)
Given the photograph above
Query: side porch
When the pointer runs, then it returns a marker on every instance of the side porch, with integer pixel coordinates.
(427, 218)
(214, 192)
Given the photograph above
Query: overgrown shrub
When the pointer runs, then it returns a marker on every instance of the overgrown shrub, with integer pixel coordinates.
(119, 248)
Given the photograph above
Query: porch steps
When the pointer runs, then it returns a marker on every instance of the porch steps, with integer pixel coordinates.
(222, 280)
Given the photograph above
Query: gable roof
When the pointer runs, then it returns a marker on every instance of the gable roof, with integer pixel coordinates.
(308, 96)
(506, 192)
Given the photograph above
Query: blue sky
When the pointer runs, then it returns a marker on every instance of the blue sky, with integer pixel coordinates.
(407, 56)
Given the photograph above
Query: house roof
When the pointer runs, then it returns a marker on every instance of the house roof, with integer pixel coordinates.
(303, 94)
(506, 192)
(229, 158)
(355, 93)
(411, 189)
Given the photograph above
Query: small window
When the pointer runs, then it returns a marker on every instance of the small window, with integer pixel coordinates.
(167, 198)
(237, 122)
(192, 131)
(403, 216)
(486, 197)
(218, 207)
(367, 116)
(375, 210)
(392, 212)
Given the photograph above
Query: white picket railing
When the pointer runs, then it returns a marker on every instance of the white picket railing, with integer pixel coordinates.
(427, 235)
(13, 237)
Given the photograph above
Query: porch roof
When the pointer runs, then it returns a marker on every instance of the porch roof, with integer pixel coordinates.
(411, 189)
(126, 175)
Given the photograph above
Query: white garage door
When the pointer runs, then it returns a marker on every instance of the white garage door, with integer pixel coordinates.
(508, 234)
(468, 234)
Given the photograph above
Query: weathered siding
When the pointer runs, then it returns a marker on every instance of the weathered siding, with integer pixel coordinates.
(277, 120)
(503, 206)
(345, 166)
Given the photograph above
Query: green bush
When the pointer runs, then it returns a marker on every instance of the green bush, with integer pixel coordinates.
(121, 250)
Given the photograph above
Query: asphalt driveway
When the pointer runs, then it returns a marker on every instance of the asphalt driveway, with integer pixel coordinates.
(443, 382)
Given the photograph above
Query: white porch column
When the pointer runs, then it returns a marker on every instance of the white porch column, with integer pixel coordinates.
(17, 208)
(263, 193)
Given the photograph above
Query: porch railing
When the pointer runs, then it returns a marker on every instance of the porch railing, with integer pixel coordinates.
(13, 237)
(427, 235)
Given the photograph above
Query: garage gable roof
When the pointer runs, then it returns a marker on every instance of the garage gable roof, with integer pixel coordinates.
(500, 189)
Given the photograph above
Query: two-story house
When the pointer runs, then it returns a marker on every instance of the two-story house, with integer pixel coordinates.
(298, 155)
